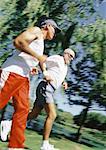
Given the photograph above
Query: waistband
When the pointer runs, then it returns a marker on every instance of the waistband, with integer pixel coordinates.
(49, 84)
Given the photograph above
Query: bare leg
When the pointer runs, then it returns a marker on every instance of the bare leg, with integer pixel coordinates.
(34, 113)
(51, 115)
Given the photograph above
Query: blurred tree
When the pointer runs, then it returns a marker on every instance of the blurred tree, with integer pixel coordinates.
(64, 117)
(82, 76)
(94, 120)
(92, 37)
(17, 15)
(69, 16)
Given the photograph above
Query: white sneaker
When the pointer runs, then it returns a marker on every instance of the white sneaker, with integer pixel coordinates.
(48, 147)
(5, 129)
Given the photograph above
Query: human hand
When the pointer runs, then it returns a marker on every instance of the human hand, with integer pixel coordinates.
(65, 85)
(42, 58)
(34, 71)
(47, 77)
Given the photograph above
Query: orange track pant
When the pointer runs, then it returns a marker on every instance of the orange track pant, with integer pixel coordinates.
(16, 86)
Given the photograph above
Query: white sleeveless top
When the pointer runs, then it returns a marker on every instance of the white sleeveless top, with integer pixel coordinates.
(21, 62)
(57, 69)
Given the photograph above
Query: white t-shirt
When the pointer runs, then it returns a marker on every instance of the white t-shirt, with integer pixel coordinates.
(21, 62)
(57, 69)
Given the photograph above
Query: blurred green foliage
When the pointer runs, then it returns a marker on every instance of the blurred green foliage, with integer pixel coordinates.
(94, 120)
(64, 118)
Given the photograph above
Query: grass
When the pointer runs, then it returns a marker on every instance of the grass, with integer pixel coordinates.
(34, 138)
(61, 135)
(33, 141)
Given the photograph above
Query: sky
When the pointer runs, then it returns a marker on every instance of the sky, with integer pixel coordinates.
(101, 9)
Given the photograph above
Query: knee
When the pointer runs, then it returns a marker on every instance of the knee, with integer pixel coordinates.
(32, 115)
(52, 115)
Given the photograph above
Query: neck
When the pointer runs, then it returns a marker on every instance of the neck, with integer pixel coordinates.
(44, 33)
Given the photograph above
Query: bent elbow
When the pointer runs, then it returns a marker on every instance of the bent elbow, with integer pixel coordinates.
(18, 44)
(15, 43)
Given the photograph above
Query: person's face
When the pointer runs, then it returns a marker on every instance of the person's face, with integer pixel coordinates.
(50, 32)
(68, 57)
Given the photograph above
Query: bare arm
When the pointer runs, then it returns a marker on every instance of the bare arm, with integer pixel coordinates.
(47, 77)
(24, 39)
(43, 64)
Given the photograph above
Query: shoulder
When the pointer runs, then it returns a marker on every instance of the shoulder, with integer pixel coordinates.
(34, 30)
(55, 58)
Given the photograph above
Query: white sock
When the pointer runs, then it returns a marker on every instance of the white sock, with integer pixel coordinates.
(45, 142)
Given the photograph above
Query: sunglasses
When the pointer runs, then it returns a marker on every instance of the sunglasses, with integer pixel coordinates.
(70, 56)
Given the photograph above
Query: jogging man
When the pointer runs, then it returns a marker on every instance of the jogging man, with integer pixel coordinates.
(57, 69)
(15, 72)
